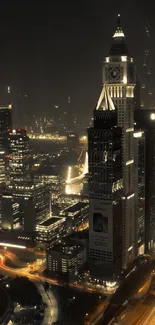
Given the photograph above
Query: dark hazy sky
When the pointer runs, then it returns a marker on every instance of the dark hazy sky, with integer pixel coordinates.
(52, 49)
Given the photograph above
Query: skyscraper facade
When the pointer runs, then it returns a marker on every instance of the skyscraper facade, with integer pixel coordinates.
(139, 157)
(120, 77)
(5, 118)
(145, 120)
(105, 184)
(19, 153)
(5, 126)
(146, 85)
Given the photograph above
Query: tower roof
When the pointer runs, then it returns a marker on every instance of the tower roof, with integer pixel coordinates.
(118, 46)
(105, 102)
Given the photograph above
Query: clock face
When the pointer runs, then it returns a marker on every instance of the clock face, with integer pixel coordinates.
(114, 73)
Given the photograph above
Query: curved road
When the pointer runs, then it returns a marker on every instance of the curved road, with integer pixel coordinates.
(51, 311)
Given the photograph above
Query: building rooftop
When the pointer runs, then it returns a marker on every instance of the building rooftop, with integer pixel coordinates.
(76, 207)
(51, 221)
(69, 250)
(28, 186)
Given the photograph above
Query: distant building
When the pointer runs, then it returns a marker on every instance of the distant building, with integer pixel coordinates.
(3, 177)
(146, 73)
(34, 203)
(140, 158)
(72, 140)
(5, 126)
(5, 118)
(65, 260)
(105, 184)
(19, 153)
(10, 210)
(75, 216)
(53, 181)
(2, 168)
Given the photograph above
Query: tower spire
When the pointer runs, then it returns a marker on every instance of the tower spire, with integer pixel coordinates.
(118, 41)
(118, 21)
(119, 31)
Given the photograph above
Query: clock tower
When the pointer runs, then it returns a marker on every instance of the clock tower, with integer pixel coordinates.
(120, 77)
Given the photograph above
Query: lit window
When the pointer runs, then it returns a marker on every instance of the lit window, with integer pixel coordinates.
(124, 58)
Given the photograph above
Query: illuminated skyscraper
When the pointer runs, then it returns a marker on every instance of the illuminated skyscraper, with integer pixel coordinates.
(105, 184)
(139, 148)
(19, 153)
(146, 86)
(120, 77)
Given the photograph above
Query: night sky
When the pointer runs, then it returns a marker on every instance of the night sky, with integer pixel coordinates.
(52, 49)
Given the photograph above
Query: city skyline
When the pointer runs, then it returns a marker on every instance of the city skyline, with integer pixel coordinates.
(77, 211)
(52, 51)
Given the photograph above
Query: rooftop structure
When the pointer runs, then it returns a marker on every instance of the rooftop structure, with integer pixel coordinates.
(51, 231)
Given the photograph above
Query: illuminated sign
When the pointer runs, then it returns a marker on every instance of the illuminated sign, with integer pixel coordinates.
(138, 135)
(152, 116)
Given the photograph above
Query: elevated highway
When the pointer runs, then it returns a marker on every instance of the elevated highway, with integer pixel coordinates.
(134, 285)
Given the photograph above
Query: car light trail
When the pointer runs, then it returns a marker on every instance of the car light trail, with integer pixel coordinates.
(12, 246)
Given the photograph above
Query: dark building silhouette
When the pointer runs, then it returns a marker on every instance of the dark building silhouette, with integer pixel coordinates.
(139, 157)
(105, 184)
(5, 126)
(145, 120)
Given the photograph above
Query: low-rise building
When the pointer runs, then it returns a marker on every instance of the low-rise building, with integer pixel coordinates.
(11, 219)
(65, 260)
(75, 215)
(51, 231)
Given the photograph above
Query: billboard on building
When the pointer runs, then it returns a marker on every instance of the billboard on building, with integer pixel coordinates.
(100, 223)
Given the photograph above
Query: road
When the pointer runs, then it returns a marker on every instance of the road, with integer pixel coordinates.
(148, 317)
(143, 313)
(135, 283)
(33, 272)
(51, 311)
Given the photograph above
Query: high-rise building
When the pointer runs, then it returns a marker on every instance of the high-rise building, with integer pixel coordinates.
(19, 153)
(139, 157)
(5, 126)
(5, 118)
(2, 168)
(120, 78)
(145, 120)
(147, 82)
(105, 184)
